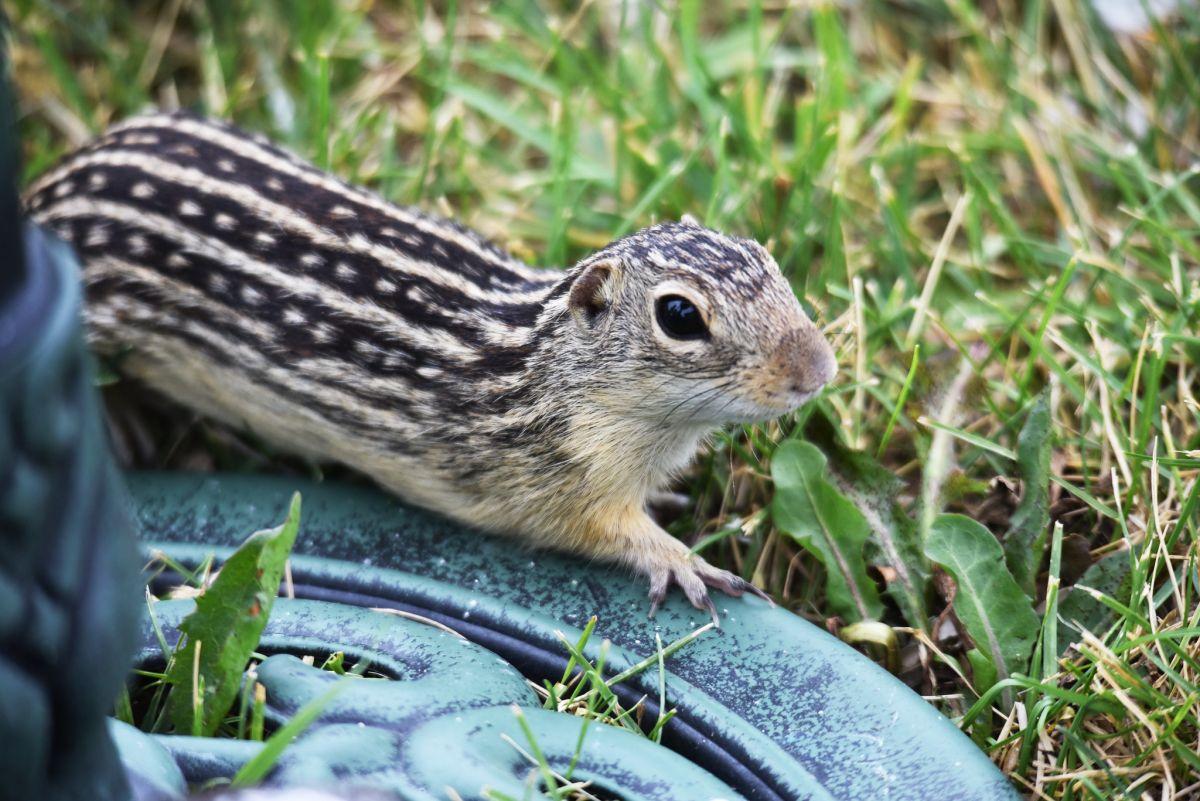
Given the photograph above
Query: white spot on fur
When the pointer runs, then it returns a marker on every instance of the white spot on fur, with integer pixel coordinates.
(264, 239)
(138, 244)
(252, 295)
(225, 221)
(218, 282)
(342, 211)
(177, 260)
(97, 235)
(389, 231)
(345, 272)
(275, 184)
(385, 286)
(321, 332)
(141, 139)
(190, 208)
(225, 165)
(429, 372)
(292, 316)
(311, 260)
(97, 180)
(142, 189)
(64, 188)
(142, 313)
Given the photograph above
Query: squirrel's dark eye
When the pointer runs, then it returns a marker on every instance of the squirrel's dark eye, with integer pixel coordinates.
(680, 318)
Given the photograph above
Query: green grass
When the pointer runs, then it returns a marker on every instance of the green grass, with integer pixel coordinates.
(981, 202)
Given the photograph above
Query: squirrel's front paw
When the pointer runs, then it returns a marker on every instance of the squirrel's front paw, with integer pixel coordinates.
(694, 576)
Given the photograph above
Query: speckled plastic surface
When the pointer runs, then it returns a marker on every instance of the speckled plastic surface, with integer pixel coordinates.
(442, 715)
(770, 705)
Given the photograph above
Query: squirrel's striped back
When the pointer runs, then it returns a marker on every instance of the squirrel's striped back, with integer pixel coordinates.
(188, 226)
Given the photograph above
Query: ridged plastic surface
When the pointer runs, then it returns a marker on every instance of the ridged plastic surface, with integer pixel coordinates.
(770, 705)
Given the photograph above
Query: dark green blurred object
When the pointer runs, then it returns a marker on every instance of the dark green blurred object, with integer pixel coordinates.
(68, 569)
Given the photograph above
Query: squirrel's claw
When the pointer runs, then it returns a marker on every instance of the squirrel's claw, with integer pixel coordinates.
(730, 583)
(694, 579)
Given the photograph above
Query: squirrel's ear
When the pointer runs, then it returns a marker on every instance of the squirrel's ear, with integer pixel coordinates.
(688, 219)
(592, 293)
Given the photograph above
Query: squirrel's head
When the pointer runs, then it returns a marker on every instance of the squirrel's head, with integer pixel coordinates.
(685, 324)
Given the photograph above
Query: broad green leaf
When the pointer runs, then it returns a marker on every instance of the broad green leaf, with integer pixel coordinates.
(983, 678)
(223, 631)
(823, 521)
(1026, 538)
(1081, 611)
(874, 490)
(983, 672)
(998, 616)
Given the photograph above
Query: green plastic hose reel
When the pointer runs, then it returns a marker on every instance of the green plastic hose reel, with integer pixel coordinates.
(769, 706)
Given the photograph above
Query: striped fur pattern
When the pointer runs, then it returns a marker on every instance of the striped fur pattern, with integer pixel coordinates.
(247, 284)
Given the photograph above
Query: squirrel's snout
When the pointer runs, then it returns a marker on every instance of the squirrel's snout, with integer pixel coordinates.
(806, 359)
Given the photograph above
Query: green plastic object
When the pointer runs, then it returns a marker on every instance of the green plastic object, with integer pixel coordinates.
(769, 706)
(443, 718)
(68, 571)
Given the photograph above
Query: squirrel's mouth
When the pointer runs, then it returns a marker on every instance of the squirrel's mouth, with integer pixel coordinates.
(768, 394)
(760, 409)
(752, 395)
(789, 403)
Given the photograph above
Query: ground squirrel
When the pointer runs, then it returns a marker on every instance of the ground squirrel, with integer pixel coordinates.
(248, 285)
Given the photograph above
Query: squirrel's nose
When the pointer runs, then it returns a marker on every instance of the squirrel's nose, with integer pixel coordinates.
(806, 358)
